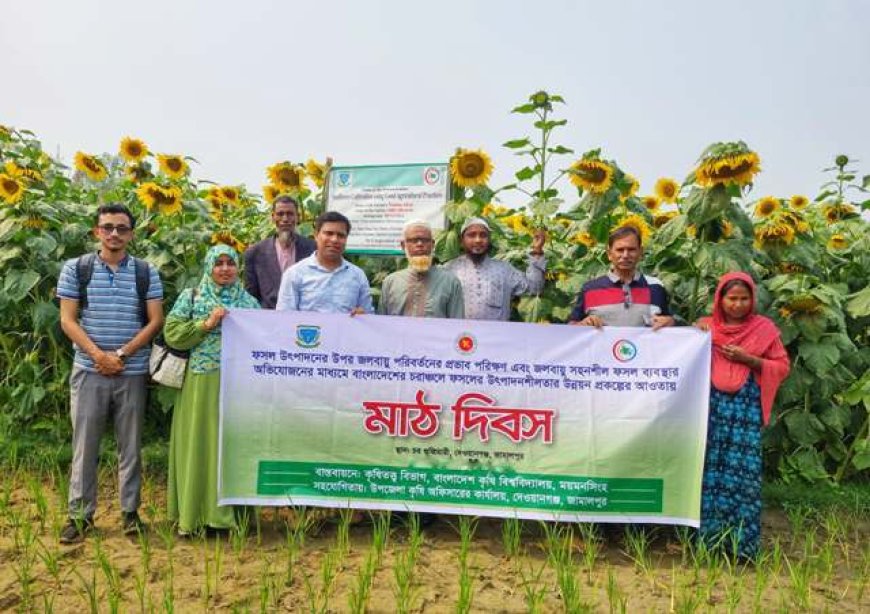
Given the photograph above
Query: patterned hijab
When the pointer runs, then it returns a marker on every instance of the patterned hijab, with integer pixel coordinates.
(205, 356)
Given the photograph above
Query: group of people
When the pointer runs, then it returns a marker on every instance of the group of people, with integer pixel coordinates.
(111, 310)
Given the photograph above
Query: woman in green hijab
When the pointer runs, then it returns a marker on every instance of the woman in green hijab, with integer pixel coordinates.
(194, 324)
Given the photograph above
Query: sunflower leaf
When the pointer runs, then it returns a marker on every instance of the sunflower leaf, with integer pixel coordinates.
(560, 149)
(526, 173)
(524, 108)
(516, 143)
(858, 305)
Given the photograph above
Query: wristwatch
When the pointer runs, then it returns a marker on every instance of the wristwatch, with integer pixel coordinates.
(120, 353)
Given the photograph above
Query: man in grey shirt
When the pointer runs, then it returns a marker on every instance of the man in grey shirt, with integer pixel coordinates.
(489, 285)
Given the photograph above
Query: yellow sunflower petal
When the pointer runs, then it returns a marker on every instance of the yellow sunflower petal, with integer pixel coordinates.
(90, 166)
(667, 189)
(174, 167)
(596, 176)
(287, 177)
(470, 168)
(133, 150)
(767, 206)
(11, 190)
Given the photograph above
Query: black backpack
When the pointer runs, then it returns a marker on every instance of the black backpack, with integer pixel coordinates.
(85, 270)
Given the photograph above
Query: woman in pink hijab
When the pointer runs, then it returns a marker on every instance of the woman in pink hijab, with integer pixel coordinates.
(749, 363)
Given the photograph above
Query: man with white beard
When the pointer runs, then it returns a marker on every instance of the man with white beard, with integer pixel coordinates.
(421, 290)
(267, 260)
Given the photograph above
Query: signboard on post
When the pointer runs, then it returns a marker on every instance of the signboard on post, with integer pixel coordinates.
(463, 417)
(380, 200)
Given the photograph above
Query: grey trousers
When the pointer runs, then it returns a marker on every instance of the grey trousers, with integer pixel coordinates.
(93, 397)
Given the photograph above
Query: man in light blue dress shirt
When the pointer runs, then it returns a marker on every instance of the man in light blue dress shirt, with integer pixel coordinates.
(325, 282)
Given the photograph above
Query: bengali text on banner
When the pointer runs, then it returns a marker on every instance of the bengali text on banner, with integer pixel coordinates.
(467, 417)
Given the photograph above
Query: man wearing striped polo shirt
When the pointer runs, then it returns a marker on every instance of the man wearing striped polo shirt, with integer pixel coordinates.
(623, 297)
(110, 308)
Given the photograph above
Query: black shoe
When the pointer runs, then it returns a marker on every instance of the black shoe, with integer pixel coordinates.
(75, 530)
(131, 523)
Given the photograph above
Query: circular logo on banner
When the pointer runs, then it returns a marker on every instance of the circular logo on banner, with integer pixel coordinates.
(466, 343)
(431, 175)
(624, 350)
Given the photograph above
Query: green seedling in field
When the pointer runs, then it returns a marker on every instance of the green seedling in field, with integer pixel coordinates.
(113, 579)
(294, 531)
(380, 533)
(268, 592)
(637, 542)
(318, 601)
(467, 528)
(734, 593)
(800, 575)
(511, 529)
(140, 582)
(239, 534)
(358, 598)
(534, 590)
(617, 601)
(37, 496)
(144, 550)
(342, 533)
(591, 548)
(51, 560)
(89, 590)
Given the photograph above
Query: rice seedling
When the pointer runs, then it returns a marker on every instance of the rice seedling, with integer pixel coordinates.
(404, 567)
(800, 575)
(617, 601)
(637, 542)
(342, 534)
(359, 594)
(144, 550)
(239, 534)
(863, 574)
(511, 529)
(24, 567)
(592, 545)
(268, 588)
(37, 497)
(381, 533)
(318, 600)
(467, 528)
(51, 560)
(798, 516)
(113, 579)
(294, 532)
(534, 590)
(734, 593)
(89, 590)
(140, 581)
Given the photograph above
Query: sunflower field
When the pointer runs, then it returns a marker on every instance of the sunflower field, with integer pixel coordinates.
(810, 255)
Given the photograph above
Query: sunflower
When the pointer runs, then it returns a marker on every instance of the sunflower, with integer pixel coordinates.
(470, 168)
(133, 150)
(798, 202)
(774, 234)
(10, 189)
(170, 203)
(316, 172)
(90, 166)
(216, 211)
(790, 267)
(785, 313)
(834, 212)
(286, 176)
(796, 220)
(20, 172)
(172, 166)
(270, 193)
(837, 241)
(667, 189)
(727, 229)
(231, 194)
(804, 304)
(227, 238)
(34, 222)
(652, 203)
(517, 222)
(593, 175)
(583, 238)
(660, 219)
(767, 206)
(138, 172)
(731, 163)
(633, 185)
(149, 194)
(636, 221)
(215, 196)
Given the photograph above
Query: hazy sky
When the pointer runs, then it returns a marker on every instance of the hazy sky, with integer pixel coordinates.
(240, 85)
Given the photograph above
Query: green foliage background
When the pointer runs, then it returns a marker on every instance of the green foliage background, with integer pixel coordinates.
(814, 287)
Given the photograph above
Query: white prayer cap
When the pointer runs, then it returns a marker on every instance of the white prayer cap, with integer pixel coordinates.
(473, 221)
(417, 224)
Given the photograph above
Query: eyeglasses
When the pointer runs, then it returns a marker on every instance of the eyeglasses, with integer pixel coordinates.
(419, 241)
(108, 229)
